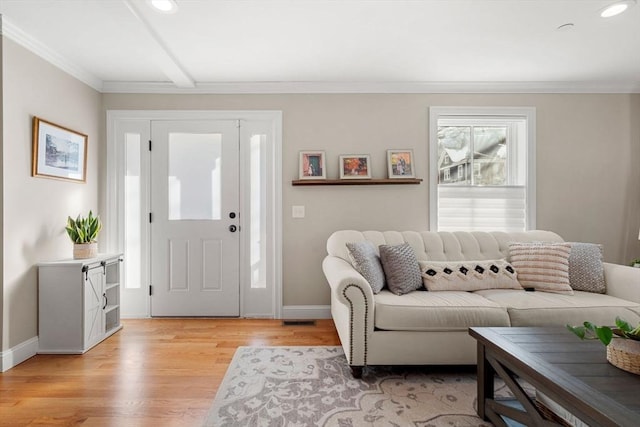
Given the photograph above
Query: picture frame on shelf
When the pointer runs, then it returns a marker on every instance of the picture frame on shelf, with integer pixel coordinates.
(355, 166)
(400, 164)
(58, 152)
(312, 165)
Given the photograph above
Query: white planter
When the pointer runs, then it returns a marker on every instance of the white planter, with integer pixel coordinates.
(85, 250)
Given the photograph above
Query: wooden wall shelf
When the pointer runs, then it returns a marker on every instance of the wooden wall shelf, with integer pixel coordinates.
(386, 181)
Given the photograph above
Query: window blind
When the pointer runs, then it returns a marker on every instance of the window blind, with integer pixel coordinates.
(474, 208)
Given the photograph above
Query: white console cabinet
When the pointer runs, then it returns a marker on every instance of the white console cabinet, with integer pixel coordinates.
(78, 303)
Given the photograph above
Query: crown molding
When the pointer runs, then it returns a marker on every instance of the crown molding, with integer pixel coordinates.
(9, 30)
(373, 87)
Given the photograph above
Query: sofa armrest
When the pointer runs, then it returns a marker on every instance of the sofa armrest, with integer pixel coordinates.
(622, 281)
(352, 308)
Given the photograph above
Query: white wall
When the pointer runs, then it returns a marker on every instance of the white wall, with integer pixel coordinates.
(586, 186)
(35, 209)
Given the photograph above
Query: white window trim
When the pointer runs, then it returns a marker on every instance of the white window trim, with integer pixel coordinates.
(112, 218)
(529, 113)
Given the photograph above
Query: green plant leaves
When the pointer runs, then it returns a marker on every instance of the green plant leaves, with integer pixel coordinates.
(623, 325)
(605, 333)
(84, 230)
(580, 331)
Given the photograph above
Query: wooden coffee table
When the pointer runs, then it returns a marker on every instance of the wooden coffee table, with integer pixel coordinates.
(573, 373)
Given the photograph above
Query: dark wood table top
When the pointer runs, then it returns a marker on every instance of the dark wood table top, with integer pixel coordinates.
(556, 356)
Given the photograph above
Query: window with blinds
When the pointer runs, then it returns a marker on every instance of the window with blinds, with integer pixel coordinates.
(482, 169)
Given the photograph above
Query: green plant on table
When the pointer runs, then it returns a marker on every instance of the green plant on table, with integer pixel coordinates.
(84, 230)
(605, 333)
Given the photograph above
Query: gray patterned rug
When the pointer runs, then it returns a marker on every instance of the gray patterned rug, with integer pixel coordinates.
(312, 386)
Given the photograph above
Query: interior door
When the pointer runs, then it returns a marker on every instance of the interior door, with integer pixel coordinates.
(195, 248)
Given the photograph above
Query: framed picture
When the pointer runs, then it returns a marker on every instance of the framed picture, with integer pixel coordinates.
(400, 163)
(355, 166)
(312, 165)
(58, 152)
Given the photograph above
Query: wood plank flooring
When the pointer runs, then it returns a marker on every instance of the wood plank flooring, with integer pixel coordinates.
(154, 372)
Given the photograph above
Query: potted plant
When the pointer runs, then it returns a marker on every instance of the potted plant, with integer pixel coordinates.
(622, 342)
(635, 263)
(83, 233)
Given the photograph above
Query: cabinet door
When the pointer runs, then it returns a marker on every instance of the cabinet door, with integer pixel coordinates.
(93, 301)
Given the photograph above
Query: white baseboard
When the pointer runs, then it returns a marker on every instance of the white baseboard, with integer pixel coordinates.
(306, 312)
(18, 354)
(135, 316)
(288, 312)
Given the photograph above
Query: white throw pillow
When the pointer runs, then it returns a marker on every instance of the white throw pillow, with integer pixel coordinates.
(542, 266)
(468, 275)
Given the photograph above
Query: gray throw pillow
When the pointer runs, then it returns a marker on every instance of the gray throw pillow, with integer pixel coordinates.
(367, 262)
(586, 272)
(401, 268)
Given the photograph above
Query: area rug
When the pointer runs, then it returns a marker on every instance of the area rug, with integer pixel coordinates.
(313, 386)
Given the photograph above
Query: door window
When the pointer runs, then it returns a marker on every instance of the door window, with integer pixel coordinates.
(194, 176)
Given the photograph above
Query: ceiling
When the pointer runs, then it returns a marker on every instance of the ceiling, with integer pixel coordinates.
(219, 46)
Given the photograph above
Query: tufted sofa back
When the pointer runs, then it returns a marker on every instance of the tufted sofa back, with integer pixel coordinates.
(441, 246)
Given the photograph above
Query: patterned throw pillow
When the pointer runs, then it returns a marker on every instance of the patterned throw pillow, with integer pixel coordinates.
(401, 268)
(468, 275)
(367, 262)
(542, 266)
(586, 272)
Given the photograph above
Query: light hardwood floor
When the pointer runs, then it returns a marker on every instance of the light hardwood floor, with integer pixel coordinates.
(154, 372)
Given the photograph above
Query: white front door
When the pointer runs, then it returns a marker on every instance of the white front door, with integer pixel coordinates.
(195, 244)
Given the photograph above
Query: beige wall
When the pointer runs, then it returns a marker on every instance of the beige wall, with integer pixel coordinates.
(632, 218)
(588, 148)
(587, 182)
(35, 209)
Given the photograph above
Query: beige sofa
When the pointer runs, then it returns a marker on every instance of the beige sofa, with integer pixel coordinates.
(431, 328)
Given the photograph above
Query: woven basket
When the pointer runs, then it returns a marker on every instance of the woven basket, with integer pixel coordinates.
(624, 354)
(85, 250)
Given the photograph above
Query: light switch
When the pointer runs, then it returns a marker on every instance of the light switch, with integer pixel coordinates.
(297, 211)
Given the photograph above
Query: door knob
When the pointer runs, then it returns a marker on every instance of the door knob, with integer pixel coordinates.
(232, 215)
(233, 228)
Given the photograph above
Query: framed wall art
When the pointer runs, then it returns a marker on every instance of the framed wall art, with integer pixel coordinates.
(355, 166)
(312, 165)
(400, 163)
(58, 152)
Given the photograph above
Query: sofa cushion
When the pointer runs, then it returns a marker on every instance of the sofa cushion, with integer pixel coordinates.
(586, 271)
(401, 268)
(542, 266)
(468, 275)
(548, 309)
(436, 311)
(366, 261)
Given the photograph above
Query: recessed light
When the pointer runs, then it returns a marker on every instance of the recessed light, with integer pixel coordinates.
(616, 8)
(164, 6)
